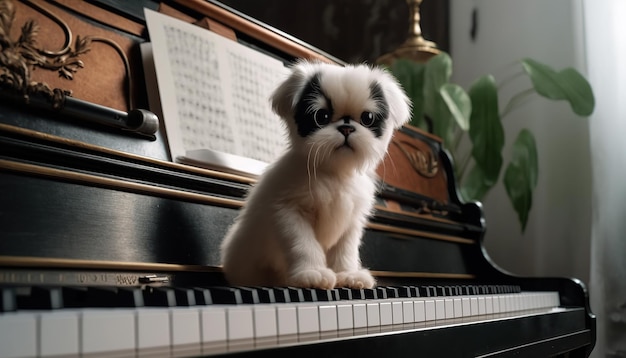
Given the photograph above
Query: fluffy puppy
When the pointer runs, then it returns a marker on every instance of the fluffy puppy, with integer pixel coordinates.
(303, 221)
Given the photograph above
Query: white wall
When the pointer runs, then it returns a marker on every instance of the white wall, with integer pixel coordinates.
(557, 237)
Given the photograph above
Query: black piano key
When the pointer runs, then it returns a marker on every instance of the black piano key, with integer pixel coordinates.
(381, 292)
(185, 297)
(398, 292)
(414, 291)
(8, 300)
(226, 295)
(103, 297)
(295, 294)
(325, 295)
(344, 293)
(370, 294)
(310, 294)
(75, 297)
(357, 294)
(249, 295)
(281, 294)
(40, 298)
(429, 291)
(266, 295)
(159, 297)
(130, 297)
(203, 296)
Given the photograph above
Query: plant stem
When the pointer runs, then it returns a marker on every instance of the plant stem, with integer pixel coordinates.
(458, 135)
(515, 100)
(510, 79)
(464, 162)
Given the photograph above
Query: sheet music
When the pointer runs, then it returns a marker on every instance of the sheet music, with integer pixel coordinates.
(214, 92)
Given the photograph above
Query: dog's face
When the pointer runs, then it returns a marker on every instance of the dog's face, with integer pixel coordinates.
(341, 117)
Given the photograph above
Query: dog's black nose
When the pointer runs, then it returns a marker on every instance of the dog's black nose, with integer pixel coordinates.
(346, 129)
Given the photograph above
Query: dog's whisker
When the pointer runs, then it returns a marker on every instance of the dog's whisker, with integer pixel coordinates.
(308, 170)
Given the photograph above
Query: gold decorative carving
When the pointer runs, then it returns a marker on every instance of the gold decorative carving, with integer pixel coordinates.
(425, 164)
(18, 59)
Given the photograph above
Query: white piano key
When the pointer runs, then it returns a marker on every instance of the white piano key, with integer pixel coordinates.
(419, 308)
(465, 302)
(386, 313)
(360, 315)
(18, 334)
(240, 323)
(214, 328)
(345, 316)
(503, 306)
(458, 308)
(185, 323)
(440, 309)
(496, 304)
(429, 309)
(473, 306)
(59, 333)
(308, 319)
(153, 328)
(488, 303)
(408, 312)
(287, 318)
(108, 330)
(482, 308)
(398, 315)
(373, 314)
(328, 318)
(265, 324)
(449, 306)
(509, 303)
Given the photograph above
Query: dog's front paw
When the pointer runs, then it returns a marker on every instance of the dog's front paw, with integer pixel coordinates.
(355, 279)
(315, 278)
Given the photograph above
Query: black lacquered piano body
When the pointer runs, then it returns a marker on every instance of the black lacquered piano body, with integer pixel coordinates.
(86, 208)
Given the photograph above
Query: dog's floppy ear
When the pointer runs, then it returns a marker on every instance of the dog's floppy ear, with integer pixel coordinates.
(287, 94)
(400, 105)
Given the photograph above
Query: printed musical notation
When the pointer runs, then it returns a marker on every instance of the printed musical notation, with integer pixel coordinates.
(214, 93)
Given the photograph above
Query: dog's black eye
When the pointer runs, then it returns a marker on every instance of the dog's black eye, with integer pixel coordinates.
(322, 117)
(367, 119)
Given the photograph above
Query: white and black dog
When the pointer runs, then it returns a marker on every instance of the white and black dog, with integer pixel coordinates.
(303, 221)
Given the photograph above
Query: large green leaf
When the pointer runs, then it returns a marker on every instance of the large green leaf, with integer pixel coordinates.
(436, 74)
(520, 177)
(411, 76)
(475, 185)
(458, 102)
(567, 84)
(486, 132)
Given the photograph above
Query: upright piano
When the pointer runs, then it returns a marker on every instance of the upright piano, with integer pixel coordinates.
(108, 248)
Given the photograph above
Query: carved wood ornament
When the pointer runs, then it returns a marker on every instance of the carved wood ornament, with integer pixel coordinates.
(19, 58)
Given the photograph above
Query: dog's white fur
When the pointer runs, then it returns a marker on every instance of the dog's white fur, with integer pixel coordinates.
(302, 222)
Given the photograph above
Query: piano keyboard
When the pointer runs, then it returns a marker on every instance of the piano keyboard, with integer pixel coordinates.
(185, 322)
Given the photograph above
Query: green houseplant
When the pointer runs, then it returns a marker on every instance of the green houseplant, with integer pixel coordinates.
(454, 113)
